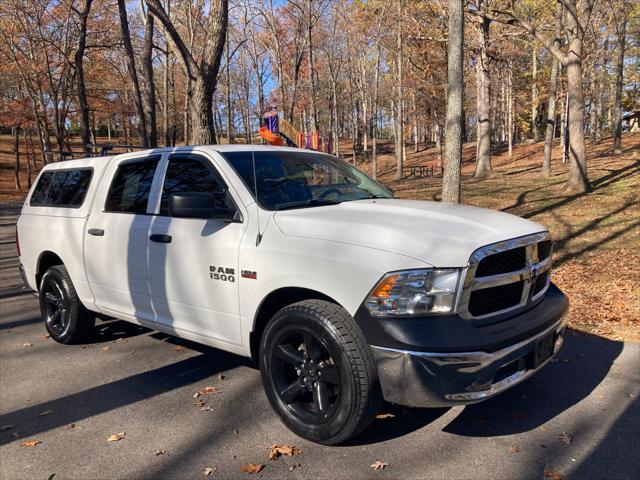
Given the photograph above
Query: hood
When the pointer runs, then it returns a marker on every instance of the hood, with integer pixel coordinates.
(439, 233)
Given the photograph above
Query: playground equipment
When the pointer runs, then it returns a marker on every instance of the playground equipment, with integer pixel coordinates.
(276, 131)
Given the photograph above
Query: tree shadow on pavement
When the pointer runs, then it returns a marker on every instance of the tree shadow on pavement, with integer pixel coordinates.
(404, 420)
(119, 393)
(580, 366)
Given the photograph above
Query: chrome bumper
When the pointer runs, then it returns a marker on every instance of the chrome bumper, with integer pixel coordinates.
(429, 379)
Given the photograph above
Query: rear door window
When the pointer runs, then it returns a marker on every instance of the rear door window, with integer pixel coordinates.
(131, 185)
(62, 188)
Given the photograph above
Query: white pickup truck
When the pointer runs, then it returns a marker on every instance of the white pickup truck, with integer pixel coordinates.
(342, 294)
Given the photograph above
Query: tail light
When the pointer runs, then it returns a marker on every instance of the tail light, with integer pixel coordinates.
(17, 241)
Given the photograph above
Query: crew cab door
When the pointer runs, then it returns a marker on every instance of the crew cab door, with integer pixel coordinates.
(116, 238)
(193, 262)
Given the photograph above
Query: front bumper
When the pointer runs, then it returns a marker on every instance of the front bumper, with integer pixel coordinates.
(440, 379)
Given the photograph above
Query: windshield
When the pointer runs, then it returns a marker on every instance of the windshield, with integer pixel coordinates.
(286, 179)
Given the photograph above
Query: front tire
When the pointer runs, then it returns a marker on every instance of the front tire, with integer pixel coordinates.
(65, 318)
(318, 372)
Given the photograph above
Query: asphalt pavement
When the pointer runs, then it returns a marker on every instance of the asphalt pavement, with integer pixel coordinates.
(579, 417)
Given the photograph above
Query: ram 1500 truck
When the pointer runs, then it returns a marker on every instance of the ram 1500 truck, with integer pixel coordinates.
(343, 295)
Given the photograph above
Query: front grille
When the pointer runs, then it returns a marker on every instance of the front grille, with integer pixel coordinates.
(540, 283)
(494, 299)
(544, 249)
(506, 275)
(503, 262)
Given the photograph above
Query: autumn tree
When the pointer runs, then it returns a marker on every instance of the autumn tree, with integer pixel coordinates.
(201, 67)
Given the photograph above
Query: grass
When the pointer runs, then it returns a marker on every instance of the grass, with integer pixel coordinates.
(597, 234)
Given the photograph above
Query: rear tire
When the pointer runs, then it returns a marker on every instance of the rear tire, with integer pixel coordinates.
(65, 318)
(318, 372)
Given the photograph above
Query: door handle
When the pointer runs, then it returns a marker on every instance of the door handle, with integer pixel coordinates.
(96, 232)
(158, 238)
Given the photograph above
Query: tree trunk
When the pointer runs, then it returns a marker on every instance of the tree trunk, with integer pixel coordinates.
(399, 90)
(510, 110)
(133, 75)
(535, 131)
(149, 86)
(455, 91)
(578, 180)
(30, 154)
(312, 85)
(553, 90)
(593, 112)
(83, 16)
(376, 88)
(483, 161)
(229, 112)
(617, 108)
(16, 170)
(165, 97)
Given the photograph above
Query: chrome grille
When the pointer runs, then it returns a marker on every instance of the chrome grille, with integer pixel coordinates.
(505, 276)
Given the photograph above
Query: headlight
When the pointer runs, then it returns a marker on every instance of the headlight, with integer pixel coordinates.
(414, 292)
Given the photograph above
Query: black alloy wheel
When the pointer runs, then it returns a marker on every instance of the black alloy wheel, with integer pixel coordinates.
(306, 376)
(318, 372)
(55, 307)
(65, 317)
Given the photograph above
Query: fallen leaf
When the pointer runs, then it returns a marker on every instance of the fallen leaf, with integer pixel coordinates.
(160, 452)
(514, 450)
(565, 438)
(121, 340)
(379, 465)
(553, 475)
(208, 390)
(199, 403)
(179, 348)
(71, 426)
(222, 377)
(104, 349)
(206, 408)
(46, 336)
(252, 468)
(295, 465)
(196, 395)
(116, 437)
(276, 450)
(208, 471)
(30, 443)
(6, 427)
(45, 413)
(382, 416)
(27, 345)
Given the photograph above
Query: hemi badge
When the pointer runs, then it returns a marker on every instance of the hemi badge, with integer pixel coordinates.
(249, 274)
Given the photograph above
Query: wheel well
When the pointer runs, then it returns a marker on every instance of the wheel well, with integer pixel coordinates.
(45, 262)
(275, 301)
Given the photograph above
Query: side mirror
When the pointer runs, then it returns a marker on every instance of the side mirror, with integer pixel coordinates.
(199, 205)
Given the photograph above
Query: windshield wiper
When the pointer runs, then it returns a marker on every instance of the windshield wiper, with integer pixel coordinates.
(307, 203)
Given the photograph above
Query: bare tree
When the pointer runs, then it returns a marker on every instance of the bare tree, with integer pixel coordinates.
(483, 161)
(203, 70)
(149, 99)
(455, 91)
(553, 91)
(399, 130)
(133, 75)
(617, 109)
(83, 16)
(577, 17)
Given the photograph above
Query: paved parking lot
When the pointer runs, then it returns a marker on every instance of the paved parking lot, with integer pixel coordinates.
(579, 417)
